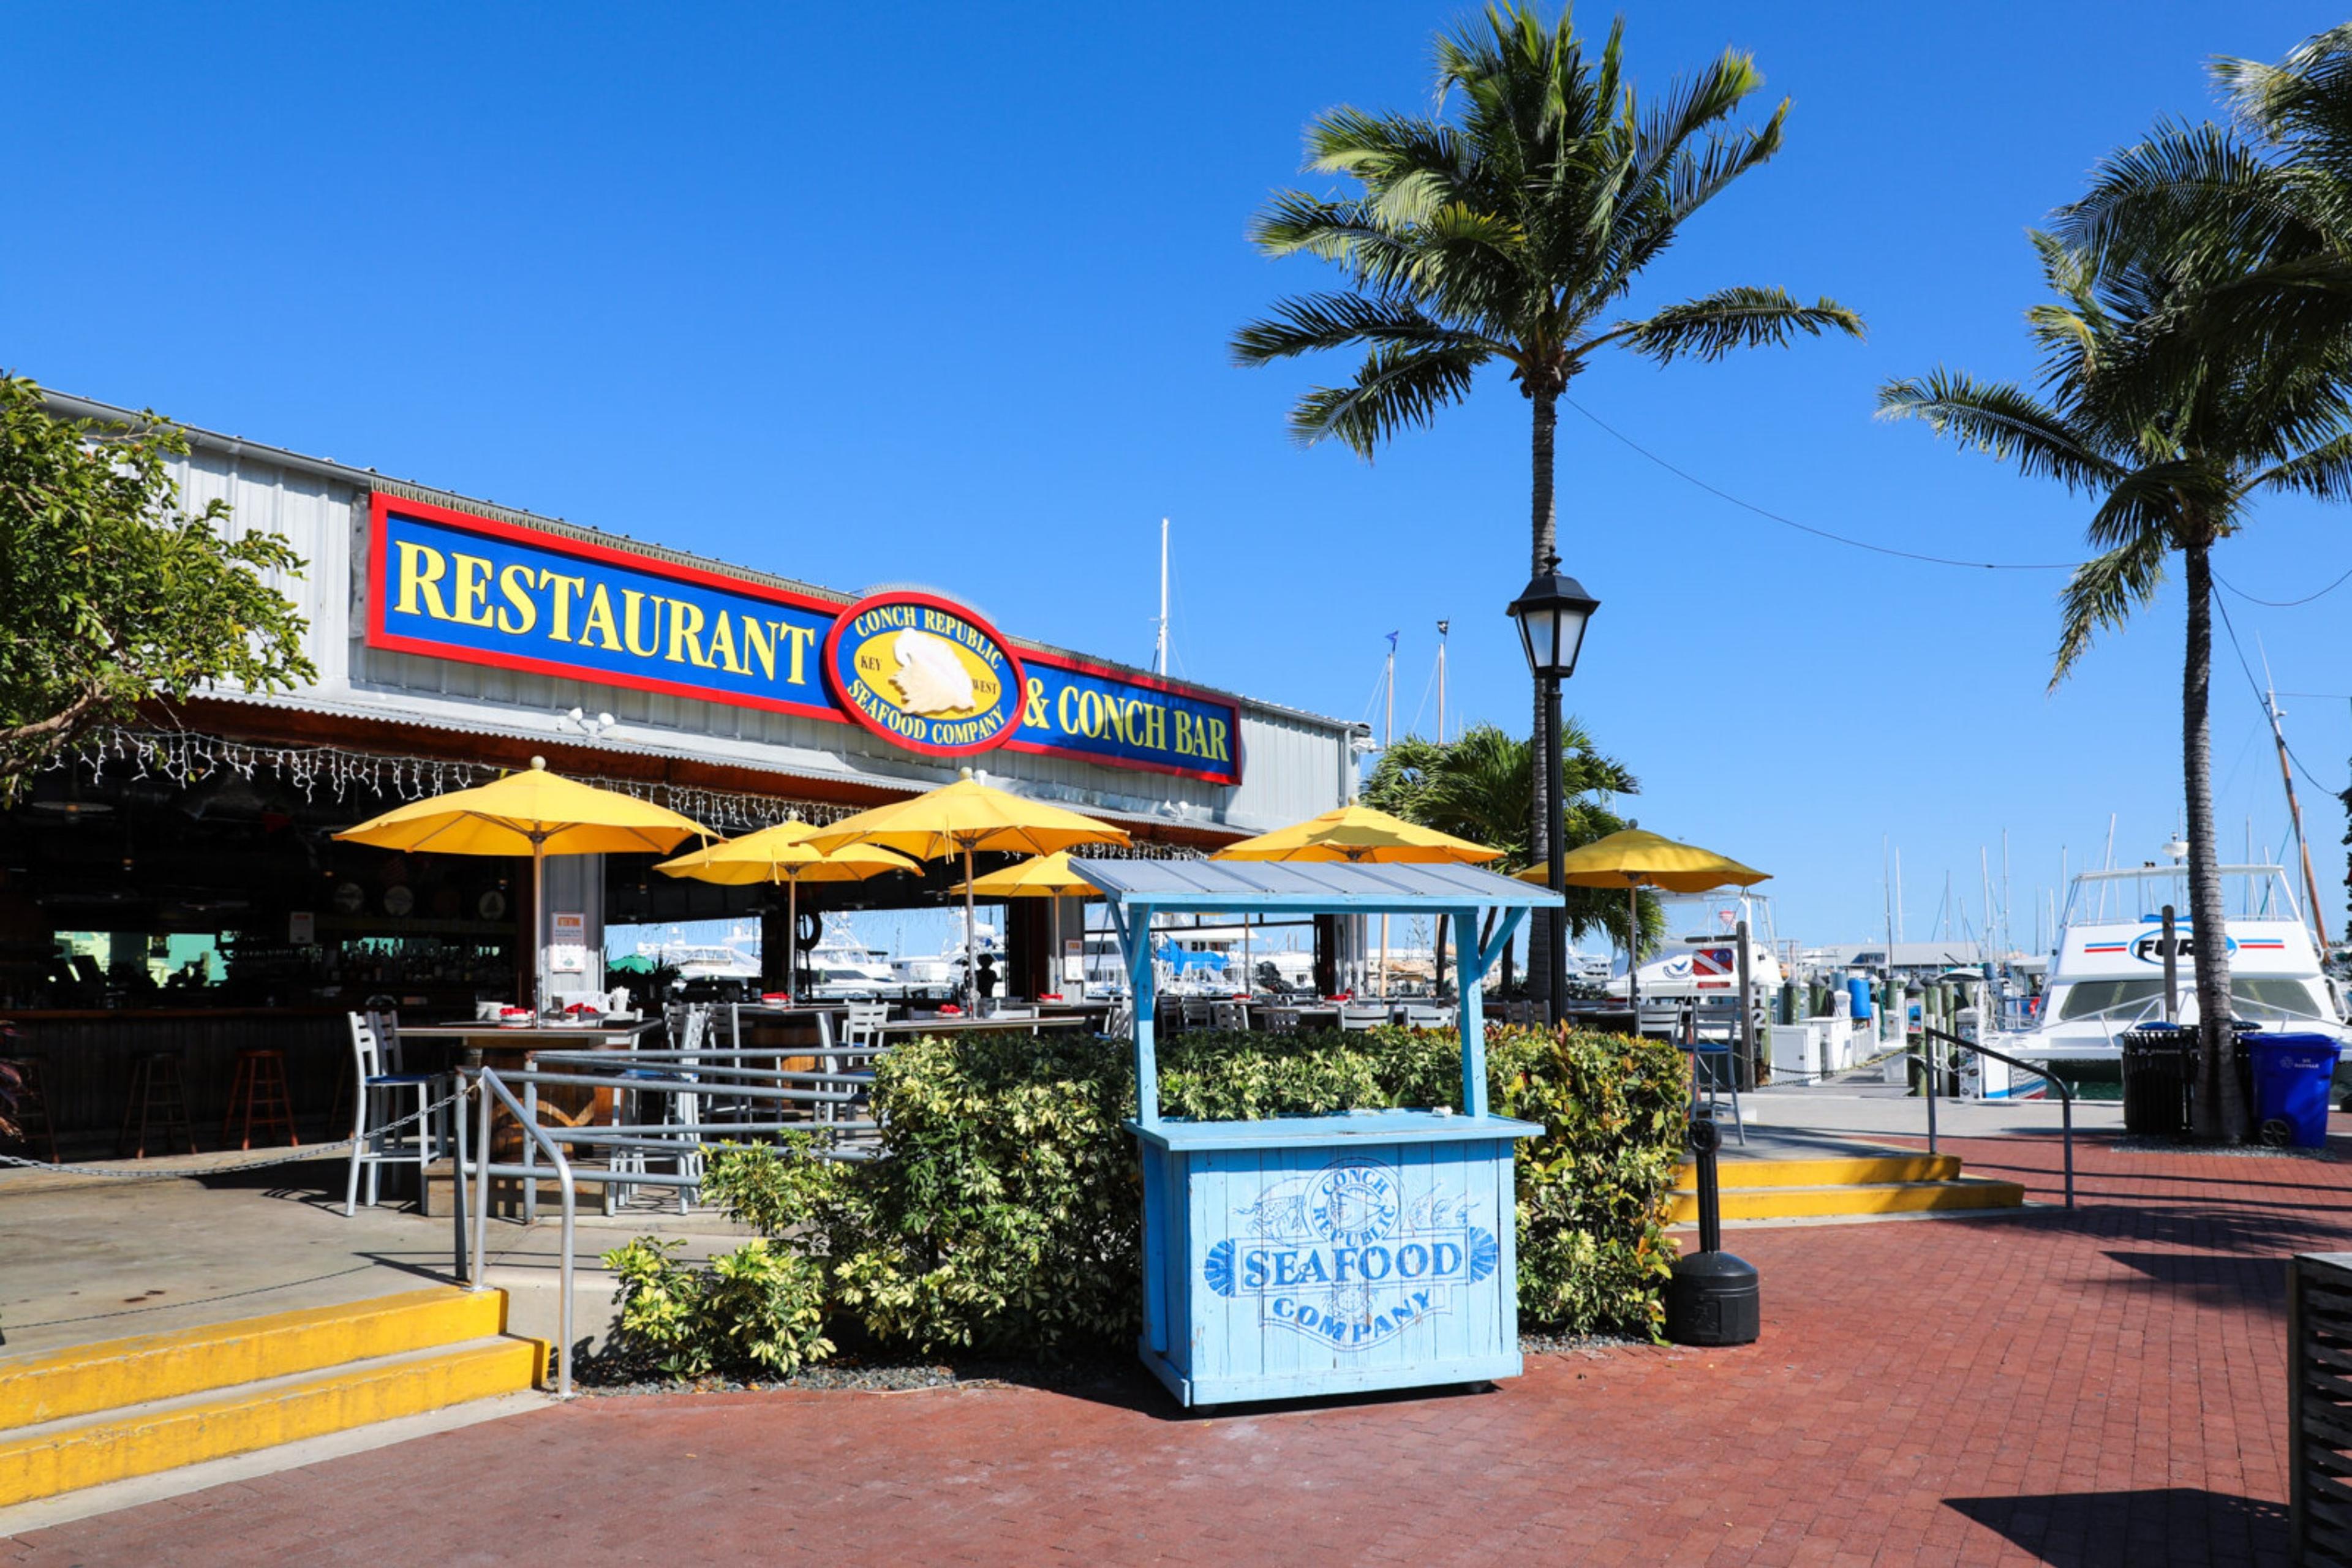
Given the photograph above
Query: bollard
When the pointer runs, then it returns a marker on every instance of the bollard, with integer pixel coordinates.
(1713, 1297)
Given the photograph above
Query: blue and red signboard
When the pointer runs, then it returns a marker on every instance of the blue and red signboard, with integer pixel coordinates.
(914, 669)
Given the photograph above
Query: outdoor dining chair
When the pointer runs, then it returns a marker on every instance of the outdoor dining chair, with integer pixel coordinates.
(1195, 1012)
(680, 1108)
(1356, 1020)
(1233, 1016)
(383, 1091)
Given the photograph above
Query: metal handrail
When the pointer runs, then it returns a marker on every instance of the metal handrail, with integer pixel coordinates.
(2066, 1095)
(477, 1265)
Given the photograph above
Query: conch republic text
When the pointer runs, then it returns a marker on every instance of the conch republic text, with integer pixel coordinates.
(919, 672)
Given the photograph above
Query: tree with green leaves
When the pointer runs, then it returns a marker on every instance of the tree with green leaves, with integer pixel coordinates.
(2177, 432)
(1506, 229)
(1478, 786)
(111, 593)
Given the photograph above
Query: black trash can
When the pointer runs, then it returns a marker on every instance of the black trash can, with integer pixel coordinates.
(2159, 1065)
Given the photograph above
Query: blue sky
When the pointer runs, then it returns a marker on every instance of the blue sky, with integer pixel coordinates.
(942, 293)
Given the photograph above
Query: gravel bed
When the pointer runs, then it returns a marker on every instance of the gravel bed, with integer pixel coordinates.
(2141, 1143)
(602, 1375)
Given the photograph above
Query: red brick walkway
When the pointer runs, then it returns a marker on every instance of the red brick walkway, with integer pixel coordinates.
(2104, 1387)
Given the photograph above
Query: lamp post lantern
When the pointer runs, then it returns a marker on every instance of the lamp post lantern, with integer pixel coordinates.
(1552, 612)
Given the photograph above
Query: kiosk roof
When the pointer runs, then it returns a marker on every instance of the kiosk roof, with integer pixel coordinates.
(1235, 887)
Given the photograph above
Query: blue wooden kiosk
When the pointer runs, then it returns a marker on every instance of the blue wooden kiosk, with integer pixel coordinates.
(1325, 1254)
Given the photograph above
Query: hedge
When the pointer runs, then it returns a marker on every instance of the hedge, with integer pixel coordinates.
(1005, 1217)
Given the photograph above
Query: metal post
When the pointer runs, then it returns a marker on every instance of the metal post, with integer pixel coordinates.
(1746, 1017)
(1555, 837)
(1710, 1200)
(457, 1182)
(482, 1200)
(2171, 969)
(1934, 1070)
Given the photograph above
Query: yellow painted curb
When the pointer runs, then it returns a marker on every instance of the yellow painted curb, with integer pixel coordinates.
(113, 1374)
(1843, 1171)
(105, 1449)
(1894, 1197)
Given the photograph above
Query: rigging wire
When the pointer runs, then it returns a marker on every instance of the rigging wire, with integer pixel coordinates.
(1688, 477)
(2264, 702)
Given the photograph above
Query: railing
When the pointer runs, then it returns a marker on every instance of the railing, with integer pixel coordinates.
(633, 1072)
(2066, 1095)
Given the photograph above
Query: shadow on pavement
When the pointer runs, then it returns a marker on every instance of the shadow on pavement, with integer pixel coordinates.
(2164, 1524)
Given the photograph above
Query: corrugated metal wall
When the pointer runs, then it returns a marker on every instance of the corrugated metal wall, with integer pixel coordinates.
(1293, 764)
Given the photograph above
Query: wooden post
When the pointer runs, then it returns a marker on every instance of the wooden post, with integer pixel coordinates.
(1470, 994)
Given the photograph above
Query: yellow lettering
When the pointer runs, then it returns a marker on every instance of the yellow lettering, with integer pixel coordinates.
(515, 584)
(1033, 709)
(632, 601)
(599, 621)
(1183, 733)
(686, 627)
(1062, 711)
(722, 645)
(566, 590)
(1217, 741)
(801, 637)
(1156, 727)
(759, 643)
(471, 589)
(421, 570)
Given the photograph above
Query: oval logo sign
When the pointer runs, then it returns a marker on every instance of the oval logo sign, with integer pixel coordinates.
(924, 674)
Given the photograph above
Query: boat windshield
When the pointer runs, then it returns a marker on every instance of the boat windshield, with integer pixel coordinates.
(2139, 893)
(2251, 998)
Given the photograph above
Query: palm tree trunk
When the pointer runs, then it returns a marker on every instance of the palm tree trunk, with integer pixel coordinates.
(2220, 1107)
(1543, 930)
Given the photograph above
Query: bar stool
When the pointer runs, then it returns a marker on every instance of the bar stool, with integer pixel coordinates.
(33, 1122)
(257, 1092)
(158, 1096)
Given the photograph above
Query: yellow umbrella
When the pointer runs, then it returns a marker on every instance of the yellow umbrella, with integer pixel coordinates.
(1633, 859)
(1361, 834)
(1043, 877)
(783, 854)
(1357, 834)
(963, 818)
(534, 813)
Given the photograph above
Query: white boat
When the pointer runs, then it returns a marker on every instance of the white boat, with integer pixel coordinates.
(841, 966)
(718, 963)
(1707, 962)
(944, 969)
(2107, 974)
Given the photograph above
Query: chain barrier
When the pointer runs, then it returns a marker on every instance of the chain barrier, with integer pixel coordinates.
(279, 1157)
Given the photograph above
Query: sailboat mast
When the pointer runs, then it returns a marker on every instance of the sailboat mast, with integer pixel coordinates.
(2293, 810)
(1159, 654)
(1442, 627)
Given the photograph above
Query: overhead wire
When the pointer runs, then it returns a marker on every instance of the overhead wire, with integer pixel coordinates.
(2283, 604)
(1769, 515)
(2264, 702)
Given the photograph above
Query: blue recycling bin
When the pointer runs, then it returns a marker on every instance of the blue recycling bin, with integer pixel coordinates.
(2294, 1077)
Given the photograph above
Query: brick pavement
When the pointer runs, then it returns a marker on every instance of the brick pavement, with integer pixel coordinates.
(2104, 1387)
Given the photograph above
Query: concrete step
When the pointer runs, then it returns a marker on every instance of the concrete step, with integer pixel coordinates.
(113, 1374)
(118, 1408)
(1739, 1173)
(1852, 1199)
(53, 1456)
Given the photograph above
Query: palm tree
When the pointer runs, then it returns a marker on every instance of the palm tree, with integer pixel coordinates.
(1478, 786)
(1505, 227)
(2176, 434)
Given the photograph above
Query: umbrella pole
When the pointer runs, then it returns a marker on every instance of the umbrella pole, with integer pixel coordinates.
(971, 943)
(1634, 951)
(539, 924)
(793, 938)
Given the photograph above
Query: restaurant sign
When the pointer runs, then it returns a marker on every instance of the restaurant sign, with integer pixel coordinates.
(918, 670)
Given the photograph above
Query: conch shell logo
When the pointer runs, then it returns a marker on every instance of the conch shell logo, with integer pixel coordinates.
(929, 678)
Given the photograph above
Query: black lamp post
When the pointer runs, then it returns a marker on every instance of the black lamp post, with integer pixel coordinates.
(1552, 612)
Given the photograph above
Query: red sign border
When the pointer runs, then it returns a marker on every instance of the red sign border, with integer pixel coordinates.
(1017, 695)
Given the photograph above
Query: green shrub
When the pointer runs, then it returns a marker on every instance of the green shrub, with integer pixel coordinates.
(1007, 1214)
(758, 1309)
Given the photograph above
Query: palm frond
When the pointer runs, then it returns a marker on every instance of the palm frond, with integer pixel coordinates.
(1395, 388)
(2102, 592)
(1713, 325)
(2324, 473)
(2004, 422)
(1307, 323)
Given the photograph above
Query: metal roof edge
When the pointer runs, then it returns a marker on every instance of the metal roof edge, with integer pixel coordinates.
(72, 406)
